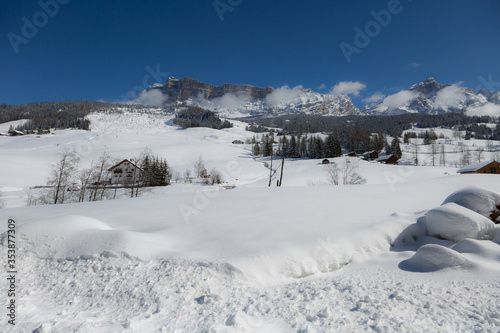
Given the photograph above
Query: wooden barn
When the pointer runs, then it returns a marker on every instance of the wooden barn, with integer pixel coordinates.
(491, 167)
(15, 133)
(388, 159)
(370, 155)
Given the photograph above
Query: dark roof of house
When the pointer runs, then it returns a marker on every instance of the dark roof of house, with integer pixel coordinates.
(386, 157)
(114, 166)
(369, 152)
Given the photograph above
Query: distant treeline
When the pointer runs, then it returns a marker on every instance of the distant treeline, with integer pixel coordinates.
(194, 116)
(390, 125)
(59, 115)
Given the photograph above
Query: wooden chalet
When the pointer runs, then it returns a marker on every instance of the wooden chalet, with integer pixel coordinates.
(370, 155)
(487, 167)
(325, 161)
(124, 173)
(388, 159)
(15, 133)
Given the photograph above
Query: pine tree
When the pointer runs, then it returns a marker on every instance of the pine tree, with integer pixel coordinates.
(381, 141)
(292, 147)
(395, 147)
(330, 146)
(267, 145)
(256, 149)
(338, 149)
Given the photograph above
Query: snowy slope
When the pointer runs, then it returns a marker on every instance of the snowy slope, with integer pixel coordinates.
(306, 257)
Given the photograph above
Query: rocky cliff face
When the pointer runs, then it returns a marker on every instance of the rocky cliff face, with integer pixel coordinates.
(180, 90)
(233, 100)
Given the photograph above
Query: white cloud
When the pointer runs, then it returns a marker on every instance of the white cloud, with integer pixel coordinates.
(322, 86)
(152, 97)
(348, 88)
(283, 95)
(415, 64)
(449, 96)
(229, 101)
(399, 99)
(488, 109)
(378, 96)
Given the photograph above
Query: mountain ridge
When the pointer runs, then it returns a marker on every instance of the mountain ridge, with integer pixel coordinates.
(242, 100)
(431, 97)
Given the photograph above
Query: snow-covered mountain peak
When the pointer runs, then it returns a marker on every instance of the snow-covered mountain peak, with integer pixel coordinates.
(431, 97)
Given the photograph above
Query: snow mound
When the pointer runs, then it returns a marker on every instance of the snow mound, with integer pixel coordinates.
(480, 200)
(74, 236)
(454, 222)
(483, 249)
(433, 257)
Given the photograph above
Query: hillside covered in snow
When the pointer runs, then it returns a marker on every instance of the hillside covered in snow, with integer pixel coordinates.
(414, 248)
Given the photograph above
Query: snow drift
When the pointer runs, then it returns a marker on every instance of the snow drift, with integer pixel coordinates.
(433, 257)
(480, 200)
(72, 236)
(454, 222)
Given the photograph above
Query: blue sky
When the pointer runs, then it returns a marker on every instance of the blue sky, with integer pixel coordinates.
(90, 50)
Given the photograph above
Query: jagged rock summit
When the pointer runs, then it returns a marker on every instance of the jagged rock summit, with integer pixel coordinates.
(180, 90)
(233, 100)
(431, 97)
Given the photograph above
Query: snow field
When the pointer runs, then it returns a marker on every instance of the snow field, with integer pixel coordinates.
(299, 258)
(118, 293)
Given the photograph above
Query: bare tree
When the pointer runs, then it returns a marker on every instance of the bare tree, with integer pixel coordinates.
(489, 146)
(442, 156)
(187, 176)
(433, 151)
(199, 168)
(457, 134)
(349, 174)
(85, 179)
(465, 158)
(100, 177)
(61, 177)
(176, 176)
(479, 153)
(415, 146)
(496, 156)
(333, 173)
(345, 174)
(215, 177)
